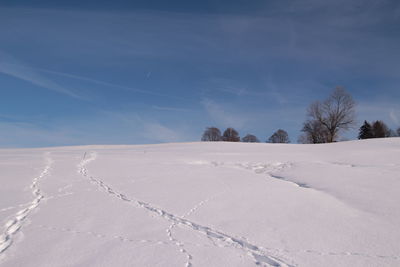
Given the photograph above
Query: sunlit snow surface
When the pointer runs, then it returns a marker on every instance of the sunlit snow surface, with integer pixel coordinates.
(202, 204)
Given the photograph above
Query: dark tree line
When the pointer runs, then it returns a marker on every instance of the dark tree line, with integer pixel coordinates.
(231, 135)
(335, 114)
(325, 121)
(378, 129)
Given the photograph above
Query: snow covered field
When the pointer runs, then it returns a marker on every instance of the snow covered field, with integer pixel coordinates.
(202, 204)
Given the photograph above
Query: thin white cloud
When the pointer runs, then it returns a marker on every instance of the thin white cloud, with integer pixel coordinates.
(24, 134)
(103, 83)
(394, 116)
(238, 91)
(170, 109)
(386, 110)
(223, 116)
(147, 129)
(12, 67)
(109, 127)
(270, 89)
(160, 133)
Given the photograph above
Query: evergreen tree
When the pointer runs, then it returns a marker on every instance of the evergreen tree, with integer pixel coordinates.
(365, 131)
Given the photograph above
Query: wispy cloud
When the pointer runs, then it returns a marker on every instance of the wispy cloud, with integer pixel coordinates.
(171, 109)
(108, 127)
(256, 68)
(395, 116)
(224, 116)
(133, 126)
(267, 89)
(386, 110)
(237, 91)
(161, 133)
(103, 83)
(25, 134)
(13, 67)
(144, 128)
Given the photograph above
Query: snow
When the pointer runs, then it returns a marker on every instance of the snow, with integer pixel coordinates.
(202, 204)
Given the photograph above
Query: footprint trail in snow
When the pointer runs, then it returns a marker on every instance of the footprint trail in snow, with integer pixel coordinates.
(14, 225)
(259, 257)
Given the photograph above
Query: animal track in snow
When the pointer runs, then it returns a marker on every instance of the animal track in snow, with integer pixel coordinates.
(172, 226)
(62, 192)
(102, 236)
(270, 169)
(253, 166)
(179, 244)
(260, 257)
(15, 207)
(347, 253)
(7, 209)
(264, 168)
(12, 227)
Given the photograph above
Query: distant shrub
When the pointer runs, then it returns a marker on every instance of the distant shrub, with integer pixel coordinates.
(230, 135)
(211, 134)
(249, 138)
(280, 136)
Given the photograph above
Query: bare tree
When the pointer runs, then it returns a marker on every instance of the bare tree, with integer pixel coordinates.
(231, 135)
(249, 138)
(280, 136)
(398, 132)
(211, 134)
(314, 133)
(336, 113)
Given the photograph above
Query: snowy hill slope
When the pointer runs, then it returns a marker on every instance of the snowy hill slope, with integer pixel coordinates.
(202, 204)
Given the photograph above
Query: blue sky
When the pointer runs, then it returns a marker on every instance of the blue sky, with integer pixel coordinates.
(134, 72)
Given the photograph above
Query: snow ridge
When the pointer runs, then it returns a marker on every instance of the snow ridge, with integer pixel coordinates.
(260, 257)
(12, 226)
(263, 168)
